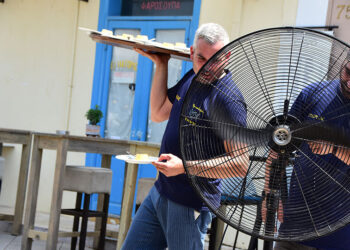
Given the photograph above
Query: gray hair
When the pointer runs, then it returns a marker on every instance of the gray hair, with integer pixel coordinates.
(211, 33)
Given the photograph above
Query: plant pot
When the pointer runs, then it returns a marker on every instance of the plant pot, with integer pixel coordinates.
(92, 130)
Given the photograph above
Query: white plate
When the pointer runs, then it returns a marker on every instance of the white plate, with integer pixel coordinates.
(90, 30)
(132, 159)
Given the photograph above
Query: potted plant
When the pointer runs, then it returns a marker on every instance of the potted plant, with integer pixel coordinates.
(94, 116)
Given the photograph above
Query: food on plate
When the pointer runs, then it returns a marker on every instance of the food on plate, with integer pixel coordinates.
(154, 43)
(141, 157)
(168, 45)
(180, 45)
(142, 37)
(106, 32)
(127, 36)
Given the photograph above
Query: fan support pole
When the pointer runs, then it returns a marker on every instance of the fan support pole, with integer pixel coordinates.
(278, 189)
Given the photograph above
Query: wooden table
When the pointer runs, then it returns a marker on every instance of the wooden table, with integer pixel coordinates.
(66, 143)
(24, 138)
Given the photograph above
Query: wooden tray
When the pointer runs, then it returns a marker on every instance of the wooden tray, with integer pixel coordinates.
(145, 45)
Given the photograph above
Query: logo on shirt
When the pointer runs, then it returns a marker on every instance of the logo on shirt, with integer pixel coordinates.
(178, 97)
(194, 114)
(317, 117)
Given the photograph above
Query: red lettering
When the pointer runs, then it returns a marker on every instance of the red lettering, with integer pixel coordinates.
(160, 5)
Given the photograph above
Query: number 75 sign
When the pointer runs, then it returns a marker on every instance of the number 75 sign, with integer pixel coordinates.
(339, 15)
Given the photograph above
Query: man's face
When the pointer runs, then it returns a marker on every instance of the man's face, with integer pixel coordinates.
(345, 80)
(203, 51)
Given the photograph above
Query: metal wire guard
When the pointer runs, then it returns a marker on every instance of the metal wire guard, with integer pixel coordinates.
(242, 103)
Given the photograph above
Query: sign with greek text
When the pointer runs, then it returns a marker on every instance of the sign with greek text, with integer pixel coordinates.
(157, 8)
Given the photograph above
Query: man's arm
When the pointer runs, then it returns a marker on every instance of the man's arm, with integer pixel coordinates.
(322, 148)
(160, 103)
(234, 164)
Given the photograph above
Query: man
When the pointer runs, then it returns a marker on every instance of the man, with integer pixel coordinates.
(166, 218)
(328, 167)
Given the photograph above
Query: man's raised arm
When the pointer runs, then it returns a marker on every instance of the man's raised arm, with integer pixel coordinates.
(160, 104)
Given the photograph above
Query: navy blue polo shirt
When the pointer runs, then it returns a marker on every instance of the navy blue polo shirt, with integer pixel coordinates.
(322, 180)
(178, 188)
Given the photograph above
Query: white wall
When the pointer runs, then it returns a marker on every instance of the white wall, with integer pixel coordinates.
(312, 13)
(45, 77)
(240, 17)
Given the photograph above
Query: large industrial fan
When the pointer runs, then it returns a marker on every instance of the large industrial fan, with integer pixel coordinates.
(264, 134)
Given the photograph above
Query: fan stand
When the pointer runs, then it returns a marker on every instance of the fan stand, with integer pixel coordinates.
(278, 190)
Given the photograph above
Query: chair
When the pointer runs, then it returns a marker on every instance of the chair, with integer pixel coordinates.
(87, 180)
(217, 225)
(252, 198)
(143, 187)
(2, 166)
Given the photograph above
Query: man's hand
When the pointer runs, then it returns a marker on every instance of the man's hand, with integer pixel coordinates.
(157, 58)
(169, 165)
(321, 147)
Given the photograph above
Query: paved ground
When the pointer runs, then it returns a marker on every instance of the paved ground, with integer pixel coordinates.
(10, 242)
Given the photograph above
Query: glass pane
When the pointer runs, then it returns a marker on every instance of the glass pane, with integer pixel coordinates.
(121, 90)
(156, 130)
(157, 8)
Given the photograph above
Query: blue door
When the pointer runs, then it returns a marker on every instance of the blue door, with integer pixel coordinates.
(125, 90)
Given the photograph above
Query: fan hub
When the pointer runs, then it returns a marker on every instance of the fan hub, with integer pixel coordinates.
(282, 135)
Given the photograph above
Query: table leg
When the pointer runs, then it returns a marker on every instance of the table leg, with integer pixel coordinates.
(127, 203)
(219, 232)
(57, 192)
(105, 163)
(32, 195)
(21, 188)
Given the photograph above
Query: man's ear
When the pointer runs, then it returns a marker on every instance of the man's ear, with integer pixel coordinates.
(191, 52)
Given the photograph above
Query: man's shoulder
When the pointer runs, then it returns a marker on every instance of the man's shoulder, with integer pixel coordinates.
(189, 74)
(187, 77)
(324, 87)
(179, 86)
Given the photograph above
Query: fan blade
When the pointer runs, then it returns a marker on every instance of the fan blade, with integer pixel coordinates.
(321, 132)
(252, 136)
(248, 136)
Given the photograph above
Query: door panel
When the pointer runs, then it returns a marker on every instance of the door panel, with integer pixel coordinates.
(121, 90)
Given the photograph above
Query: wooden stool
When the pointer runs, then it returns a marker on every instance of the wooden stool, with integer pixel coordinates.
(87, 180)
(2, 166)
(144, 185)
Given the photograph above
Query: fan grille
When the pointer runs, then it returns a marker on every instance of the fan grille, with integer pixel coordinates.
(238, 102)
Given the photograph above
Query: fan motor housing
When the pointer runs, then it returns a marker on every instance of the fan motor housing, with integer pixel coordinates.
(282, 135)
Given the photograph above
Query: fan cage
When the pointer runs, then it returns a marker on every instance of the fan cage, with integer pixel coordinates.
(259, 77)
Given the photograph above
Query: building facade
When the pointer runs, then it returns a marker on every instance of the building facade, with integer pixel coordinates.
(51, 72)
